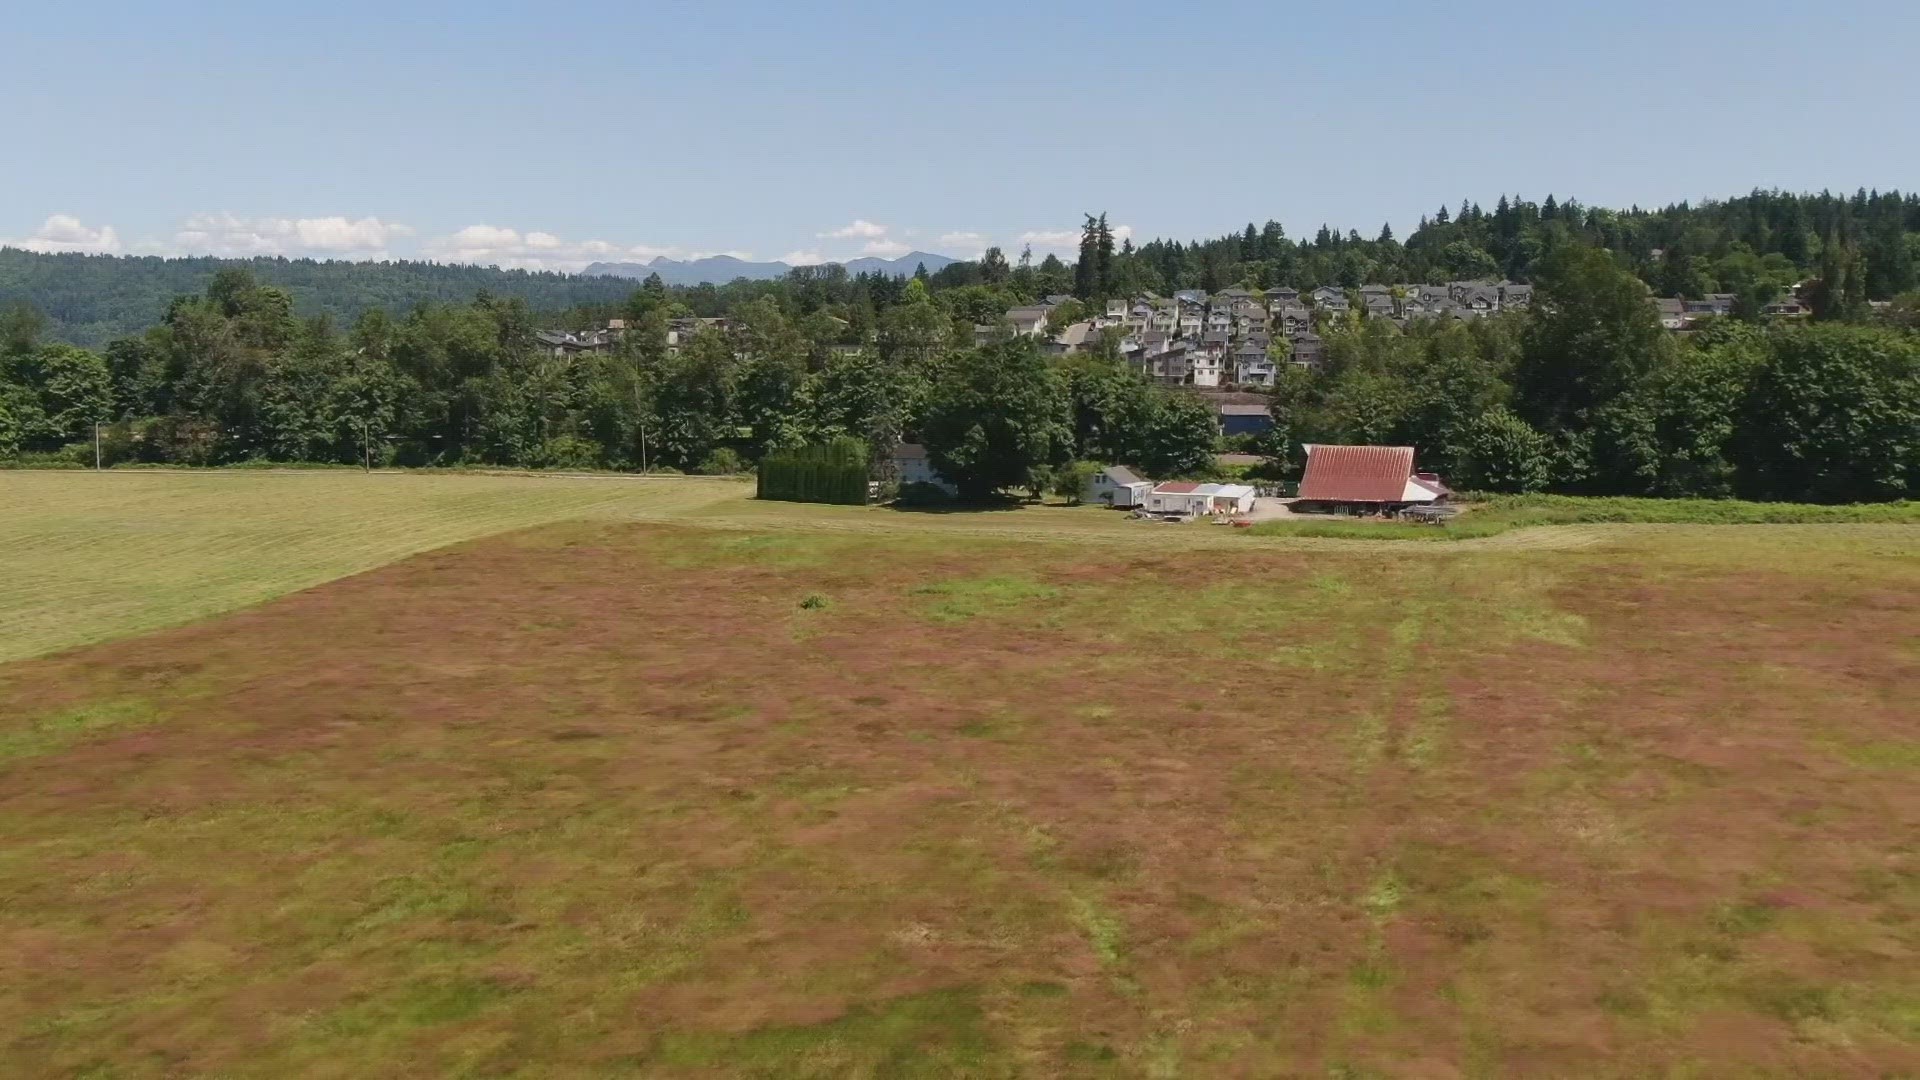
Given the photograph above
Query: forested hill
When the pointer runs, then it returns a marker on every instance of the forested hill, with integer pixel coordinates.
(89, 300)
(1863, 247)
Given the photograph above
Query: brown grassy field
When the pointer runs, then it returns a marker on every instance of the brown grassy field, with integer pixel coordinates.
(640, 799)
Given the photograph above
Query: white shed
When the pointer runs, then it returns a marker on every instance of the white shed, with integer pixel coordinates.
(1177, 497)
(1231, 498)
(1117, 485)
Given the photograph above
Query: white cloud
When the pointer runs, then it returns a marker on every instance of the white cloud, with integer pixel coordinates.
(803, 258)
(861, 229)
(1065, 241)
(1054, 240)
(885, 249)
(494, 245)
(64, 232)
(229, 234)
(964, 245)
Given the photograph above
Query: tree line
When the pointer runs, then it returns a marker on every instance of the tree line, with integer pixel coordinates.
(233, 375)
(1861, 248)
(92, 299)
(1586, 394)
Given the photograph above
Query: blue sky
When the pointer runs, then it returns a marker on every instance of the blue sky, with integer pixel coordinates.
(554, 134)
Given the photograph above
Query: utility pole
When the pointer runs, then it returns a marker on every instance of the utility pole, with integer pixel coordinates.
(96, 446)
(366, 445)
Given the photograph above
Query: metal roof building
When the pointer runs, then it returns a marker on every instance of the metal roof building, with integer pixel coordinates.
(1380, 475)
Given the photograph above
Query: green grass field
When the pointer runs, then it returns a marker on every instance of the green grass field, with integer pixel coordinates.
(91, 556)
(667, 782)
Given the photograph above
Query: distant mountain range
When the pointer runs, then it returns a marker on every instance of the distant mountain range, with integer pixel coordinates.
(720, 269)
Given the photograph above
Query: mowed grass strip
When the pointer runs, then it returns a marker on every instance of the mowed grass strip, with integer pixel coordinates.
(85, 556)
(581, 800)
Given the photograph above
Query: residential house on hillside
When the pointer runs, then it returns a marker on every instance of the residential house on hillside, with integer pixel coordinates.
(1672, 312)
(1309, 350)
(1329, 298)
(1430, 301)
(1476, 298)
(1172, 365)
(1030, 321)
(1717, 304)
(1251, 365)
(1209, 361)
(1073, 338)
(680, 332)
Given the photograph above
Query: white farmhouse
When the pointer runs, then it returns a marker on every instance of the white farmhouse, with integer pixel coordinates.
(911, 464)
(1118, 486)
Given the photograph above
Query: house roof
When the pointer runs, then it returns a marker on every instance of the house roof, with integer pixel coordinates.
(1375, 474)
(1122, 475)
(1177, 487)
(907, 451)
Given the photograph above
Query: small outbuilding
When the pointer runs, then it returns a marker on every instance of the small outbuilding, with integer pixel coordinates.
(1177, 497)
(1232, 499)
(1365, 479)
(911, 465)
(1117, 485)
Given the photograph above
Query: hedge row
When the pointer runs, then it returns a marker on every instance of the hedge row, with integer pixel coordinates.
(833, 473)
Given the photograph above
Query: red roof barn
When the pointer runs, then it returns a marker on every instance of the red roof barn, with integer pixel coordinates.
(1381, 475)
